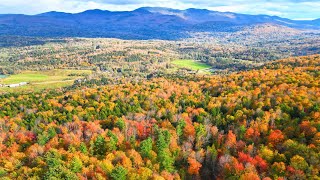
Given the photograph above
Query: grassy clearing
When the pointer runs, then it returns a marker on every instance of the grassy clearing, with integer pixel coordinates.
(25, 77)
(191, 64)
(43, 80)
(36, 87)
(44, 76)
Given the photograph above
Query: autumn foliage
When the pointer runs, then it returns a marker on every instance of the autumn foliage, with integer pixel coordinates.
(258, 124)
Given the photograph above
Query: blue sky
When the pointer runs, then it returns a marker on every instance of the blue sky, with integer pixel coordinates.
(294, 9)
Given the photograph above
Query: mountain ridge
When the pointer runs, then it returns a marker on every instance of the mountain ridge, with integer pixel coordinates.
(141, 23)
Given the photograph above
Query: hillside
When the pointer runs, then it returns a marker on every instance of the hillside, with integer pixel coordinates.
(142, 23)
(257, 124)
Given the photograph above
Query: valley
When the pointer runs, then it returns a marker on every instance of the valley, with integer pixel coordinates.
(157, 93)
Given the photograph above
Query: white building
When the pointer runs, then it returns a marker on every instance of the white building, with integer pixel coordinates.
(23, 83)
(17, 85)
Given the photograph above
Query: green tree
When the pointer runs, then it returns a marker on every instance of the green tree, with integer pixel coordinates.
(164, 155)
(111, 145)
(99, 146)
(119, 173)
(166, 160)
(146, 147)
(55, 168)
(120, 124)
(163, 140)
(76, 165)
(83, 148)
(180, 127)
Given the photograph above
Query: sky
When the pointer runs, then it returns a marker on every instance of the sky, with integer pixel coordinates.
(293, 9)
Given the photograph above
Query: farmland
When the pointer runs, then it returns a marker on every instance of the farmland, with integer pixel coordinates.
(191, 64)
(39, 80)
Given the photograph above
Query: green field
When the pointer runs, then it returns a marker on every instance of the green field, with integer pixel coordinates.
(191, 64)
(43, 80)
(24, 77)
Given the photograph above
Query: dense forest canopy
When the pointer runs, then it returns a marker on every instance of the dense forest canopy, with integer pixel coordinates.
(262, 123)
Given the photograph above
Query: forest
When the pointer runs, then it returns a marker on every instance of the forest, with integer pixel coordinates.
(229, 51)
(260, 123)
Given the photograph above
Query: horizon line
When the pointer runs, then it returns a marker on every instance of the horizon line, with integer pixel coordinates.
(181, 9)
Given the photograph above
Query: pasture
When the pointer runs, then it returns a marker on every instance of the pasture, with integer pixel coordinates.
(191, 64)
(39, 80)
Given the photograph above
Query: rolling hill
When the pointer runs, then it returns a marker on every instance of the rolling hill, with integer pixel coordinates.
(142, 23)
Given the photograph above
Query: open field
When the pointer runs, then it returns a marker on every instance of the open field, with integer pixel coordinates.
(25, 77)
(43, 80)
(191, 64)
(44, 76)
(36, 87)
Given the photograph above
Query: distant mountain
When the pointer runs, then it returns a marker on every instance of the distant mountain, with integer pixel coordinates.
(142, 23)
(55, 14)
(316, 22)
